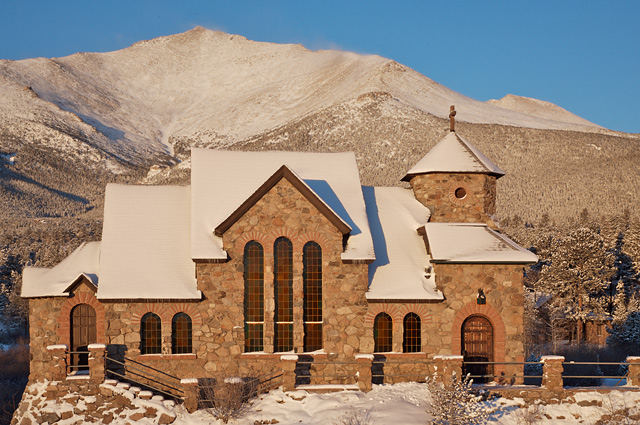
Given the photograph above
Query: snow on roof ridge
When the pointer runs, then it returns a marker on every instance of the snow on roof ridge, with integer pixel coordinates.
(473, 243)
(454, 154)
(55, 281)
(222, 180)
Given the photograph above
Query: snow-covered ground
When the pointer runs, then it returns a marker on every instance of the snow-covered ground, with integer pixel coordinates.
(402, 404)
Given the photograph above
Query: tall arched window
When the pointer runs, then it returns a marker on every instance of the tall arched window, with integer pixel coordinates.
(253, 297)
(283, 292)
(181, 340)
(412, 339)
(312, 281)
(383, 333)
(150, 334)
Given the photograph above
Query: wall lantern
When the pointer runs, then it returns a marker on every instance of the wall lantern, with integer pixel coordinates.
(481, 298)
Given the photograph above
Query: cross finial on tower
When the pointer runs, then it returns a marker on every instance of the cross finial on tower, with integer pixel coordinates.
(452, 119)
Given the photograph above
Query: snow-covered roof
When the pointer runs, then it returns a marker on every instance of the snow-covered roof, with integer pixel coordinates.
(146, 244)
(399, 271)
(221, 181)
(55, 281)
(473, 243)
(454, 154)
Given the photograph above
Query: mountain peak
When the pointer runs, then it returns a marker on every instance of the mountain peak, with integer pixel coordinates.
(539, 108)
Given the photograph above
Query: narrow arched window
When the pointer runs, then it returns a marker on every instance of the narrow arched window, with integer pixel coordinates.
(253, 297)
(283, 292)
(312, 282)
(150, 334)
(412, 339)
(383, 333)
(181, 341)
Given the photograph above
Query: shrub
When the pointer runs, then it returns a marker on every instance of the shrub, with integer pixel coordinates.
(456, 403)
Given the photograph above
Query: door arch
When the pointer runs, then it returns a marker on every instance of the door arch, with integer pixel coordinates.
(477, 346)
(83, 333)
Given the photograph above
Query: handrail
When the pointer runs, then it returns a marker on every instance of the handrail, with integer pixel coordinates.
(159, 384)
(150, 367)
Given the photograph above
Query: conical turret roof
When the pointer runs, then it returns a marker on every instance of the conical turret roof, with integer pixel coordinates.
(454, 154)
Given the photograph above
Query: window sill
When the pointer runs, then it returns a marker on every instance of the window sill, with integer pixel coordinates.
(395, 355)
(262, 355)
(163, 357)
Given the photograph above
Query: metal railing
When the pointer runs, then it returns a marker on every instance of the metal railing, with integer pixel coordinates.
(570, 378)
(81, 366)
(211, 391)
(305, 367)
(145, 376)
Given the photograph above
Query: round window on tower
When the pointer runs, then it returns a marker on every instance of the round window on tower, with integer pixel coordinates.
(460, 193)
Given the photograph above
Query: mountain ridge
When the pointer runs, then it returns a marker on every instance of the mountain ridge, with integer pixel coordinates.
(118, 113)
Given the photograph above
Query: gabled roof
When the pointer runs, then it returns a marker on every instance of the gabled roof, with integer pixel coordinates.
(222, 181)
(399, 270)
(454, 154)
(284, 172)
(473, 243)
(58, 280)
(146, 244)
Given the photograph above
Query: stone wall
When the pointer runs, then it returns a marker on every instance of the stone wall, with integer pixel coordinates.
(442, 321)
(437, 191)
(218, 319)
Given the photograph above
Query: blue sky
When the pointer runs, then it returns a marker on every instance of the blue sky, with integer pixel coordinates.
(582, 55)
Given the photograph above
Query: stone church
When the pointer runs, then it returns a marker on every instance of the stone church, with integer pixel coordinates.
(271, 253)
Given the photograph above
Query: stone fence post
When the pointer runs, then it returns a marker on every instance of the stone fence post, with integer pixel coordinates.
(288, 363)
(552, 373)
(96, 362)
(364, 377)
(448, 368)
(190, 386)
(57, 370)
(633, 376)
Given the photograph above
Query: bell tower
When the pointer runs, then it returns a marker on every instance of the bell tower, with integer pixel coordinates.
(456, 181)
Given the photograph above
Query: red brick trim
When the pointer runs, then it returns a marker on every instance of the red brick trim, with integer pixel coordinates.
(397, 312)
(196, 317)
(253, 235)
(499, 330)
(160, 309)
(64, 317)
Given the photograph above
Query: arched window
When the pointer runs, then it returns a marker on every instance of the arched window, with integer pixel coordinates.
(181, 340)
(312, 281)
(253, 297)
(382, 333)
(412, 340)
(150, 334)
(283, 292)
(83, 333)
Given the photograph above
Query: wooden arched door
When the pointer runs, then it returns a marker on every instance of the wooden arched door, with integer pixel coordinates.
(477, 346)
(83, 333)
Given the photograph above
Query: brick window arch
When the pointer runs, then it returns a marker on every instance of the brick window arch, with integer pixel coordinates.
(150, 334)
(383, 333)
(283, 293)
(412, 335)
(181, 334)
(312, 294)
(253, 297)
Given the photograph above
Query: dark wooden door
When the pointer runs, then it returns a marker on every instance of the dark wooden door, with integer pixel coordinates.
(477, 346)
(83, 333)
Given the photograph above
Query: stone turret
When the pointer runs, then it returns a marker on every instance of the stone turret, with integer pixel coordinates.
(456, 182)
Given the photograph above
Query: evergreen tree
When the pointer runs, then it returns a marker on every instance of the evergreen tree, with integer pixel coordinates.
(620, 304)
(577, 273)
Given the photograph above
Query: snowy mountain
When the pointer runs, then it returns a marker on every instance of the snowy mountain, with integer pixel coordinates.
(97, 115)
